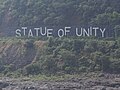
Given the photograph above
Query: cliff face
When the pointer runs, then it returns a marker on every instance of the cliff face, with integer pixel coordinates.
(18, 54)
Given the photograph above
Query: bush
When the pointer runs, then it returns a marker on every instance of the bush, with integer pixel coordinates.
(29, 44)
(32, 69)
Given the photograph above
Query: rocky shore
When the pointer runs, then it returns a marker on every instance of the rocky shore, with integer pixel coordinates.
(99, 82)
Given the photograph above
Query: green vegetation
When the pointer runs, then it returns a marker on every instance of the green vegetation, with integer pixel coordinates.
(76, 55)
(67, 55)
(62, 56)
(36, 13)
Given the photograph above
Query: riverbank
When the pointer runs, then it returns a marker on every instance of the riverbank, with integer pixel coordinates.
(92, 81)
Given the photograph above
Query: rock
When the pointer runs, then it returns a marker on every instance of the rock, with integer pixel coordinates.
(3, 84)
(86, 83)
(117, 79)
(99, 88)
(101, 75)
(31, 88)
(114, 84)
(44, 87)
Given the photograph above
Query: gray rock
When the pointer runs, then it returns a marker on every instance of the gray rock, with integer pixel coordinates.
(3, 84)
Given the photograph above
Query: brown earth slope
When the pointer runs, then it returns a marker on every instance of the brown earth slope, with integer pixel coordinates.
(17, 55)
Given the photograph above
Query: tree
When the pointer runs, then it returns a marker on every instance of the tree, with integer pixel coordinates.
(117, 31)
(69, 60)
(32, 69)
(78, 46)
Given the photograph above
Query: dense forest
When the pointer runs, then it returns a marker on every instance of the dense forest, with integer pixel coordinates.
(60, 13)
(75, 56)
(67, 55)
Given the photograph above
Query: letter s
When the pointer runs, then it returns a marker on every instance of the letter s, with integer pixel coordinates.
(18, 33)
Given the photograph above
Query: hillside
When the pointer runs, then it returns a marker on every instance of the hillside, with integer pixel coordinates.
(59, 56)
(36, 13)
(17, 53)
(60, 63)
